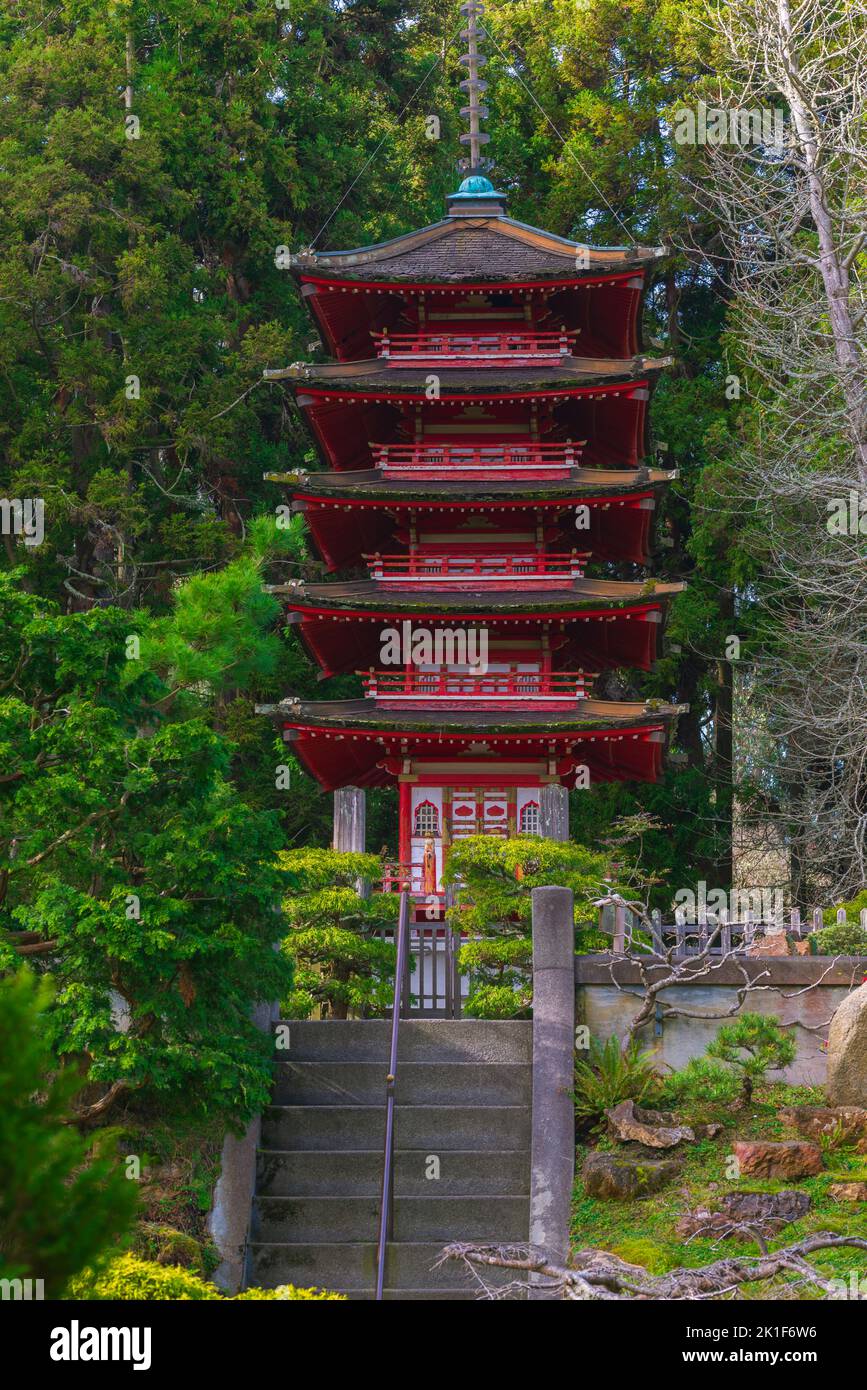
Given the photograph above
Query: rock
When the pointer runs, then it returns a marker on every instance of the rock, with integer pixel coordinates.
(812, 1120)
(848, 1191)
(707, 1131)
(771, 1209)
(655, 1117)
(790, 1160)
(624, 1177)
(702, 1222)
(763, 1212)
(847, 1051)
(629, 1124)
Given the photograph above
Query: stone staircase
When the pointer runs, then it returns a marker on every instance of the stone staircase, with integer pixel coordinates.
(463, 1112)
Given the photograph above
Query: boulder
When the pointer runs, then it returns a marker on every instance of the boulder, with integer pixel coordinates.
(790, 1160)
(707, 1131)
(772, 1209)
(624, 1177)
(850, 1121)
(762, 1212)
(629, 1124)
(847, 1051)
(702, 1222)
(848, 1191)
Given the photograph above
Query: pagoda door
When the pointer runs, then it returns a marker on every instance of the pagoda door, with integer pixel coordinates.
(481, 811)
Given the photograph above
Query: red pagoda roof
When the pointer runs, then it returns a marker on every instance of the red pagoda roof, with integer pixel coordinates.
(355, 742)
(600, 624)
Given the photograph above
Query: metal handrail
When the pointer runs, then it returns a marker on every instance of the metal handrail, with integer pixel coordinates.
(386, 1208)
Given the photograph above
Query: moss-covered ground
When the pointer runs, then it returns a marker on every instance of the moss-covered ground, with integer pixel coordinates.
(643, 1231)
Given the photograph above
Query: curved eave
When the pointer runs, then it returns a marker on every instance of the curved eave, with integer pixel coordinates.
(353, 742)
(376, 375)
(585, 598)
(355, 488)
(348, 716)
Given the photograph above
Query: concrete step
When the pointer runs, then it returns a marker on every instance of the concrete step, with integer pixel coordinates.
(462, 1173)
(326, 1219)
(351, 1267)
(418, 1083)
(435, 1128)
(421, 1040)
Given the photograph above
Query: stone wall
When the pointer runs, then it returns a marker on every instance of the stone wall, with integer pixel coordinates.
(606, 987)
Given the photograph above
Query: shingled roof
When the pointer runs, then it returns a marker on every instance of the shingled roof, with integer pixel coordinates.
(360, 714)
(371, 483)
(581, 594)
(461, 248)
(378, 374)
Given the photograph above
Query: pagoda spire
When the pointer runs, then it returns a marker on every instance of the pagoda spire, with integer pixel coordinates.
(474, 86)
(476, 195)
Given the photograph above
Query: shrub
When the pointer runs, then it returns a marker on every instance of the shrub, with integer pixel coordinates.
(128, 1277)
(166, 1246)
(342, 963)
(753, 1045)
(842, 939)
(701, 1080)
(500, 980)
(63, 1198)
(853, 909)
(612, 1074)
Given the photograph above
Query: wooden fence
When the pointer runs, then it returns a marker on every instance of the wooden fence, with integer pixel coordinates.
(726, 937)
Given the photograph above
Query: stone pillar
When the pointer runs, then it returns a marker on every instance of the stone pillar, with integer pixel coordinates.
(554, 812)
(552, 1150)
(350, 820)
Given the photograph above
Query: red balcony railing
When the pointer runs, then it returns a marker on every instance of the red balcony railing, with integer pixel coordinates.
(415, 684)
(510, 347)
(452, 569)
(439, 460)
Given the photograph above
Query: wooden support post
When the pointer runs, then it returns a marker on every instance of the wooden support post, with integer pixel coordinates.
(554, 812)
(350, 820)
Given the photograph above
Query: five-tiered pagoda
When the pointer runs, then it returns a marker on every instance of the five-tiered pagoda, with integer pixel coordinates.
(483, 434)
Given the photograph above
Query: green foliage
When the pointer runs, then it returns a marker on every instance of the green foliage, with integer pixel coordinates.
(341, 964)
(63, 1198)
(128, 859)
(499, 970)
(700, 1080)
(610, 1074)
(754, 1044)
(647, 1253)
(128, 1277)
(494, 879)
(844, 938)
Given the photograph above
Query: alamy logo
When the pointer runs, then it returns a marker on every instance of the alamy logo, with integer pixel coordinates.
(24, 517)
(409, 646)
(22, 1290)
(77, 1343)
(730, 126)
(764, 904)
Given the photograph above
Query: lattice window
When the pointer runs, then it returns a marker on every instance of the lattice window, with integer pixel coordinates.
(531, 820)
(427, 819)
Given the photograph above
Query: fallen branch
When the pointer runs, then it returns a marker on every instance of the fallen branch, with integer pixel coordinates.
(597, 1275)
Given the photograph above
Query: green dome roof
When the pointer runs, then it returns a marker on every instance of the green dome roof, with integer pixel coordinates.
(476, 184)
